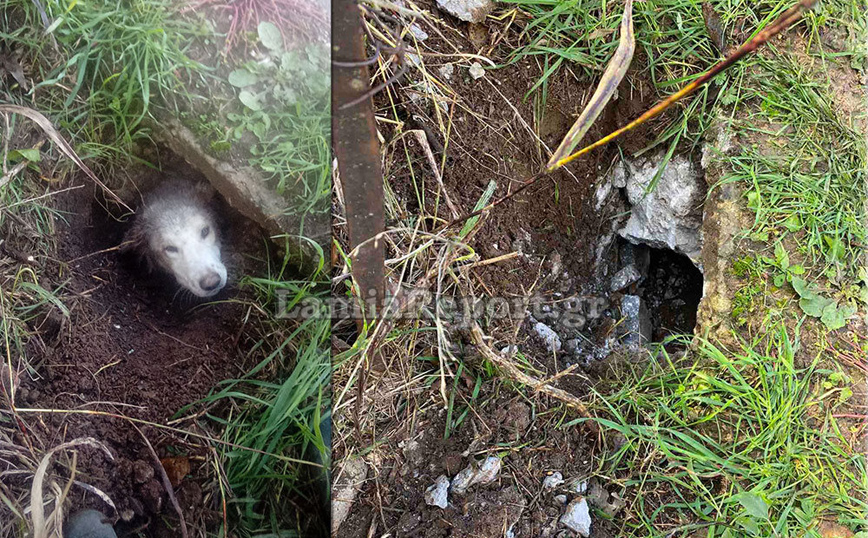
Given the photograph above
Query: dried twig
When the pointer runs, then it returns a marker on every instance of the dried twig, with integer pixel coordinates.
(40, 530)
(512, 371)
(613, 76)
(423, 141)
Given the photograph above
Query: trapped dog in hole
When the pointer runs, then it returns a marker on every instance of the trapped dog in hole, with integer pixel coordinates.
(175, 231)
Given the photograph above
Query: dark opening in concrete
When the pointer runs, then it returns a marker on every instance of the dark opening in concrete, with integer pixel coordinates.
(671, 292)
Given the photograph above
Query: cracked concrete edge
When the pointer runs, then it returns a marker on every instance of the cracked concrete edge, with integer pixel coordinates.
(721, 224)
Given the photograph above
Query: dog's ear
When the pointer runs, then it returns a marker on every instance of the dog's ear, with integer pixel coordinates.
(135, 243)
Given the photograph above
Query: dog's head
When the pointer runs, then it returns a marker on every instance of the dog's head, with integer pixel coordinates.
(177, 232)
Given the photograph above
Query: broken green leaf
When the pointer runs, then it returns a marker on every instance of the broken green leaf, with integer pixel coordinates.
(29, 154)
(801, 287)
(242, 77)
(815, 305)
(782, 257)
(835, 317)
(793, 223)
(270, 35)
(250, 100)
(755, 506)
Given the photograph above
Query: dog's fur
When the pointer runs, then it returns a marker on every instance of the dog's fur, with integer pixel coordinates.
(176, 231)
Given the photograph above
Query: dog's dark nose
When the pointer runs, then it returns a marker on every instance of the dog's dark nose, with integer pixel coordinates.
(209, 282)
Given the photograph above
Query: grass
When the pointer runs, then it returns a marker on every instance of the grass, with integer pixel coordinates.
(119, 59)
(113, 67)
(276, 409)
(672, 43)
(741, 440)
(813, 183)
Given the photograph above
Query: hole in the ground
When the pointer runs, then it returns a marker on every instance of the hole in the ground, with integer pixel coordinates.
(671, 292)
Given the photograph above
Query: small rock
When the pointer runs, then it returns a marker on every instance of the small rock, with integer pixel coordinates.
(483, 473)
(418, 32)
(509, 351)
(438, 493)
(463, 480)
(551, 338)
(467, 10)
(626, 277)
(142, 471)
(476, 71)
(637, 321)
(599, 497)
(446, 71)
(488, 470)
(88, 524)
(553, 480)
(581, 486)
(351, 477)
(560, 499)
(127, 514)
(577, 518)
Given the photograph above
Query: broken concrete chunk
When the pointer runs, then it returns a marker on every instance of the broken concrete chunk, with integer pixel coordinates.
(437, 494)
(463, 480)
(669, 216)
(577, 518)
(446, 71)
(467, 10)
(483, 473)
(637, 321)
(488, 470)
(350, 478)
(626, 277)
(418, 32)
(637, 255)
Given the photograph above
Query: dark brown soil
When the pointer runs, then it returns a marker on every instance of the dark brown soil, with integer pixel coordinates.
(416, 453)
(135, 347)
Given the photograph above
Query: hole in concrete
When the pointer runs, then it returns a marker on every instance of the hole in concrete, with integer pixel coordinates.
(671, 292)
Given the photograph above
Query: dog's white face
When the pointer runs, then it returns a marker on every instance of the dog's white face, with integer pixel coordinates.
(189, 249)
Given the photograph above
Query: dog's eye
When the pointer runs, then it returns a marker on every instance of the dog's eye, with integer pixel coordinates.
(171, 249)
(205, 231)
